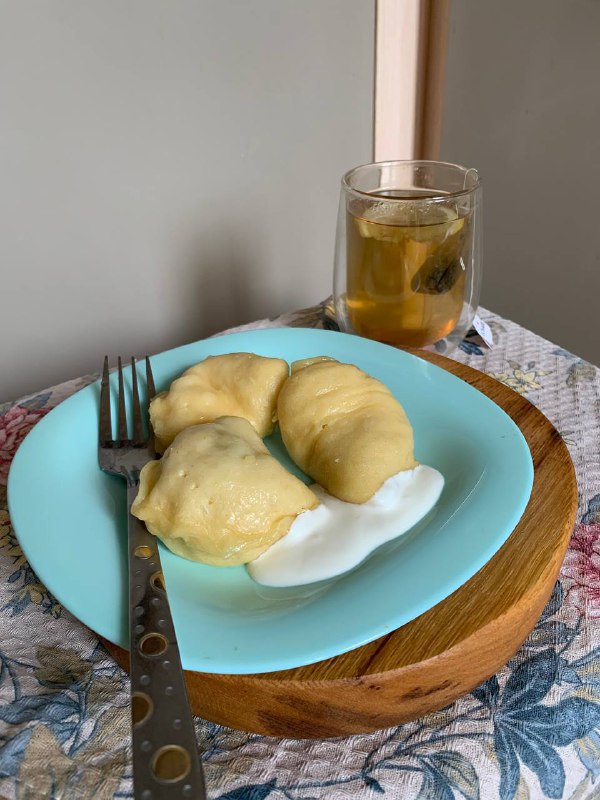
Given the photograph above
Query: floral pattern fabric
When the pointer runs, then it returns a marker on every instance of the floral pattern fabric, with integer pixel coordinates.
(531, 731)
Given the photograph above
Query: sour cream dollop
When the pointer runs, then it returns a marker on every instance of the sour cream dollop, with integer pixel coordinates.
(337, 536)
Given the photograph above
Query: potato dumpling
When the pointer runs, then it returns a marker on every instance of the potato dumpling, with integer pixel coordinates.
(218, 496)
(343, 428)
(236, 384)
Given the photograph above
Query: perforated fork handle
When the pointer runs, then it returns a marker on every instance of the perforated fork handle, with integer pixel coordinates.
(165, 755)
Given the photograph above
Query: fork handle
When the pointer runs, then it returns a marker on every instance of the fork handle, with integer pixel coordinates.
(165, 755)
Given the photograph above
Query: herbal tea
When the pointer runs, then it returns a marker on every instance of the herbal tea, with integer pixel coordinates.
(406, 267)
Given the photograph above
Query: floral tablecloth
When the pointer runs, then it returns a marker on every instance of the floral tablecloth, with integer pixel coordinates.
(529, 732)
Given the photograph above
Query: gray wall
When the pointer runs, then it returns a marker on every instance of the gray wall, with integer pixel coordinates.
(522, 104)
(169, 169)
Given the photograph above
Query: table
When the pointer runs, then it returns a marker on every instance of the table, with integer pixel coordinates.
(529, 732)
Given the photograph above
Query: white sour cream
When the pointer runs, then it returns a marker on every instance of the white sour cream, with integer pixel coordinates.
(337, 536)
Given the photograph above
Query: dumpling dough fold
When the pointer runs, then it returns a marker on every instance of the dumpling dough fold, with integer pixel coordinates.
(236, 384)
(343, 428)
(218, 496)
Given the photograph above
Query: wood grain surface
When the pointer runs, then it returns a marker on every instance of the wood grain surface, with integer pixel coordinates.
(442, 654)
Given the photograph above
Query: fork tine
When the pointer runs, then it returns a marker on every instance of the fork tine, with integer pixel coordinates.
(151, 392)
(138, 430)
(105, 426)
(149, 380)
(122, 431)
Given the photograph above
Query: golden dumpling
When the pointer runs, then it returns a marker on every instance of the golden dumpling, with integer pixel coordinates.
(218, 496)
(343, 428)
(237, 384)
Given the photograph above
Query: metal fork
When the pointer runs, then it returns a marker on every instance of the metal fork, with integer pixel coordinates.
(165, 756)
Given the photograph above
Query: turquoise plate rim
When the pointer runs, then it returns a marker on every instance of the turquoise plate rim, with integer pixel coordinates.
(224, 622)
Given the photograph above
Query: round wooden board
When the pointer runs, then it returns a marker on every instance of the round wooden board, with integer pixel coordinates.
(442, 654)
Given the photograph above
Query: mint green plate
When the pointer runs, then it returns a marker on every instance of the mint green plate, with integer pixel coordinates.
(70, 519)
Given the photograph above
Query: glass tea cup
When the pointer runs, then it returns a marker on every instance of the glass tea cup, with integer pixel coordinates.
(408, 253)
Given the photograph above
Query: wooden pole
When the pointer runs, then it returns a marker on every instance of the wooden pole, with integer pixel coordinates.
(410, 55)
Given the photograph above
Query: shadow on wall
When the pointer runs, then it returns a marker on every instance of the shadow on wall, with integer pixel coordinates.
(215, 287)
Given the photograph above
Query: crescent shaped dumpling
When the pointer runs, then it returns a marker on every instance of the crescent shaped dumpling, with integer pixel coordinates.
(343, 428)
(236, 384)
(218, 496)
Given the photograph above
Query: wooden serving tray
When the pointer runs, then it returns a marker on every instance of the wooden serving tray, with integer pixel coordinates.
(431, 661)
